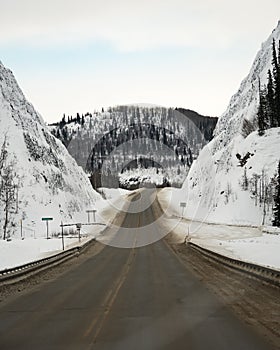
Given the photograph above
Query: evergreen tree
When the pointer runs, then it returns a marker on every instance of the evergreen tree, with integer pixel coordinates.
(277, 90)
(276, 81)
(279, 54)
(245, 182)
(83, 120)
(190, 156)
(62, 122)
(262, 121)
(58, 134)
(65, 136)
(274, 61)
(276, 209)
(270, 100)
(178, 170)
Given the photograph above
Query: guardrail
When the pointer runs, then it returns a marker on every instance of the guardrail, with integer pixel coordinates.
(18, 273)
(263, 273)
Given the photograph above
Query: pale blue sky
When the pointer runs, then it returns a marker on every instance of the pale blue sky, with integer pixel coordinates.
(77, 56)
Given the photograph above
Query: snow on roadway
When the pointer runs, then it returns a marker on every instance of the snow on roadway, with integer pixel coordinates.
(259, 245)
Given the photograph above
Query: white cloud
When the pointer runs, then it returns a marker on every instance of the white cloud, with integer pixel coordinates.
(134, 24)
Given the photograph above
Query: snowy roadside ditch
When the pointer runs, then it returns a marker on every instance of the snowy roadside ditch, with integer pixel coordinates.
(256, 245)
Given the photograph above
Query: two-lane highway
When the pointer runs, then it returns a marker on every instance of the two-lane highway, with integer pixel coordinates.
(125, 298)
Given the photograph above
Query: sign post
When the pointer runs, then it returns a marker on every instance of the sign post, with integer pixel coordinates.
(93, 211)
(79, 230)
(47, 223)
(21, 233)
(183, 206)
(62, 235)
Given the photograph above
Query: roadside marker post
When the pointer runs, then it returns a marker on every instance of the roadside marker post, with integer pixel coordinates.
(47, 223)
(62, 235)
(183, 206)
(79, 225)
(21, 232)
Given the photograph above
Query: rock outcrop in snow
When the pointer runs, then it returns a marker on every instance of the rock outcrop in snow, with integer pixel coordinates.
(228, 189)
(49, 182)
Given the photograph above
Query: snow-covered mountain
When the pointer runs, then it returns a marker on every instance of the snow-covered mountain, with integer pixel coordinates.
(46, 181)
(136, 137)
(232, 179)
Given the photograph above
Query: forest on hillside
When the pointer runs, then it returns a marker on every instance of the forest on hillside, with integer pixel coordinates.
(105, 142)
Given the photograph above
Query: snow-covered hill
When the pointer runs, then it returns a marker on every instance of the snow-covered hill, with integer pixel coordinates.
(46, 181)
(125, 135)
(232, 179)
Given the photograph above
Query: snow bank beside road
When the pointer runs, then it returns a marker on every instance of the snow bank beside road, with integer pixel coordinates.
(17, 252)
(246, 243)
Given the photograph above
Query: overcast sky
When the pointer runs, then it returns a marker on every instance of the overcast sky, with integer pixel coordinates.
(77, 56)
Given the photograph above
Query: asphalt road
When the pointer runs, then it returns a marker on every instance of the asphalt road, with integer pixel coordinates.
(133, 298)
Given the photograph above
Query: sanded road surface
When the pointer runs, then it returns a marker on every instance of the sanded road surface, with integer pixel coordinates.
(122, 299)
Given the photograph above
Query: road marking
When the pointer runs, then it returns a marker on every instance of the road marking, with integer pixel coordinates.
(108, 302)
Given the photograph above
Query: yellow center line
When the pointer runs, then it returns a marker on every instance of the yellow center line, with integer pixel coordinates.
(111, 296)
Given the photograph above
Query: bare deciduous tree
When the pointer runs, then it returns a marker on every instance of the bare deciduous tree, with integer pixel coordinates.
(8, 187)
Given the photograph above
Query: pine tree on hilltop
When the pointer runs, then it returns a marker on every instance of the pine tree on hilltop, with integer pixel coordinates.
(276, 209)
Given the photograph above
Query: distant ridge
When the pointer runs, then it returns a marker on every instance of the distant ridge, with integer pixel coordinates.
(205, 124)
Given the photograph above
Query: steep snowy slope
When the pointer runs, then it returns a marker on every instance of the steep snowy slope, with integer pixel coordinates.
(220, 186)
(47, 179)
